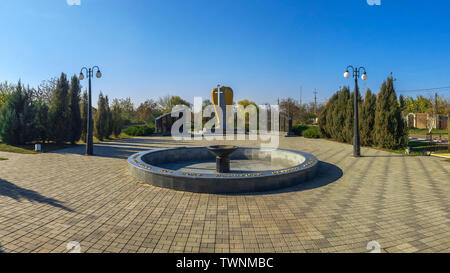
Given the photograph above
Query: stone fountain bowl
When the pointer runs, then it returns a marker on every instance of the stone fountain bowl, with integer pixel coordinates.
(253, 169)
(222, 150)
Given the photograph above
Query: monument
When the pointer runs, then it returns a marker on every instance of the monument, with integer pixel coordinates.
(222, 96)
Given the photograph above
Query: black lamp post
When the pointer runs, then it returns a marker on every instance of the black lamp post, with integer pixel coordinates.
(356, 73)
(90, 136)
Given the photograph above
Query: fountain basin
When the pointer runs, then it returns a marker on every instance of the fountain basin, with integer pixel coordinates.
(253, 169)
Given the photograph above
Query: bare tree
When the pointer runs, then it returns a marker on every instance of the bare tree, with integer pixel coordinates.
(45, 90)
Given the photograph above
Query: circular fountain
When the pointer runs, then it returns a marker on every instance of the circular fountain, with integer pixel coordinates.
(222, 169)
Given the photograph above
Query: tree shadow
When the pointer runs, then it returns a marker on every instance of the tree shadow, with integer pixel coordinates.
(17, 193)
(326, 174)
(369, 156)
(121, 149)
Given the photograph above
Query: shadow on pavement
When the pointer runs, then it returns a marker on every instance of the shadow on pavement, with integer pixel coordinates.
(17, 193)
(368, 156)
(122, 149)
(326, 174)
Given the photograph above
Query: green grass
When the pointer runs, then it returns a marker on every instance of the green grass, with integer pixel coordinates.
(50, 147)
(2, 158)
(418, 148)
(120, 137)
(441, 152)
(23, 149)
(425, 131)
(423, 146)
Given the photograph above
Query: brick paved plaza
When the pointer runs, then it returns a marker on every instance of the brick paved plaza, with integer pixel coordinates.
(48, 200)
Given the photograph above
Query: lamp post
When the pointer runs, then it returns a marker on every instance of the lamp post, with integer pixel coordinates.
(356, 73)
(90, 137)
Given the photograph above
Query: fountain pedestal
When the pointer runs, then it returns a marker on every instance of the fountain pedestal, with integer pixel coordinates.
(222, 153)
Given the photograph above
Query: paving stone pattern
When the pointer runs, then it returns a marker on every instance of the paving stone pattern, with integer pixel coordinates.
(48, 200)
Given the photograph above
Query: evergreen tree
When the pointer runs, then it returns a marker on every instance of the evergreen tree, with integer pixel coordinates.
(349, 118)
(75, 115)
(326, 117)
(323, 130)
(390, 128)
(402, 103)
(84, 115)
(116, 117)
(367, 120)
(101, 118)
(59, 111)
(42, 125)
(330, 115)
(109, 121)
(339, 115)
(17, 116)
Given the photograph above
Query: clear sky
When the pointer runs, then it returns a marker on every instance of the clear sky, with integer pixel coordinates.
(263, 49)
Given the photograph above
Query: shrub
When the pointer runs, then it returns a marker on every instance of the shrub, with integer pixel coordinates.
(311, 132)
(298, 129)
(139, 130)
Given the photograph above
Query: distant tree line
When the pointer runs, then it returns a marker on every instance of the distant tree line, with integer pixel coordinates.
(300, 113)
(421, 104)
(56, 111)
(381, 120)
(28, 115)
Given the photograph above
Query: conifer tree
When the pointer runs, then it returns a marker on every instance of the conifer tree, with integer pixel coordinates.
(42, 125)
(402, 103)
(339, 115)
(367, 120)
(59, 111)
(84, 115)
(116, 118)
(349, 118)
(330, 114)
(323, 130)
(390, 128)
(109, 121)
(101, 118)
(75, 115)
(17, 124)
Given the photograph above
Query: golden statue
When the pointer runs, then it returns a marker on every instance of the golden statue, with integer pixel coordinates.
(228, 94)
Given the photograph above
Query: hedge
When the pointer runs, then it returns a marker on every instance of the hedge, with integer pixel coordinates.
(139, 130)
(298, 129)
(311, 132)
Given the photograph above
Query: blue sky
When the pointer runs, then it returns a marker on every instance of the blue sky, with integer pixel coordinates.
(263, 49)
